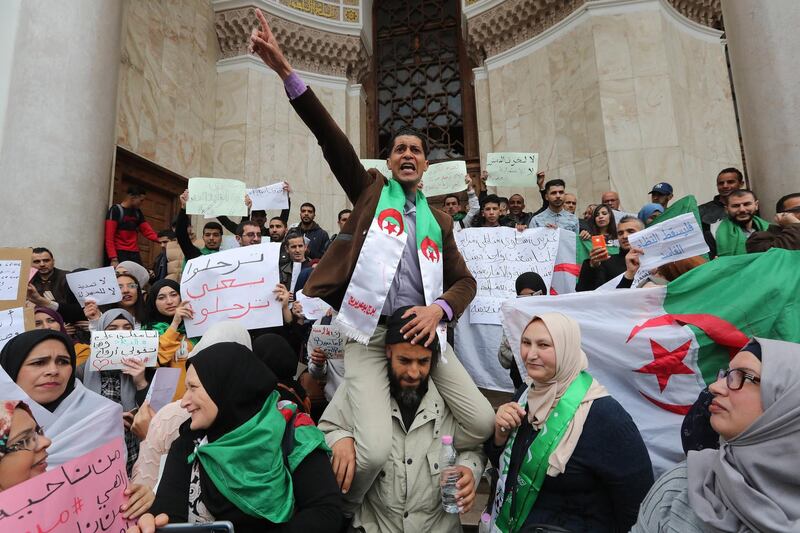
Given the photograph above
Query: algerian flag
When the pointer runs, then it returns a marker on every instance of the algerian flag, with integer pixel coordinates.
(656, 349)
(687, 204)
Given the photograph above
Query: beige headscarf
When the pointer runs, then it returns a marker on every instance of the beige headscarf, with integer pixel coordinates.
(543, 396)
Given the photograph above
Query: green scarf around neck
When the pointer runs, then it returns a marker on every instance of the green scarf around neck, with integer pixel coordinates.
(390, 209)
(731, 238)
(247, 466)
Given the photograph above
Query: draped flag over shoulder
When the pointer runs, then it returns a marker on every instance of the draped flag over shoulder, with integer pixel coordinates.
(656, 349)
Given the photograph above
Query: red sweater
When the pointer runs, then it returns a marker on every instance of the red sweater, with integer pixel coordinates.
(122, 227)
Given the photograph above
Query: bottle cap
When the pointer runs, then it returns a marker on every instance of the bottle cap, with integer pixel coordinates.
(447, 439)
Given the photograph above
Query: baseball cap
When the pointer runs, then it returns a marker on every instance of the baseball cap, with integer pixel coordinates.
(661, 188)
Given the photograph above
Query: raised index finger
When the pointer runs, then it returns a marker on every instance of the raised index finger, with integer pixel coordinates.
(264, 24)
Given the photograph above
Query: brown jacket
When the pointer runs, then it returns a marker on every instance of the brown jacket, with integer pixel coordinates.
(331, 277)
(775, 236)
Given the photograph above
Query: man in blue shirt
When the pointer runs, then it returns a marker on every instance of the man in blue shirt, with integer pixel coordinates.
(555, 216)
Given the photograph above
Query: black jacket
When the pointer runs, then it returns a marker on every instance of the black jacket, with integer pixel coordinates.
(68, 306)
(591, 278)
(318, 240)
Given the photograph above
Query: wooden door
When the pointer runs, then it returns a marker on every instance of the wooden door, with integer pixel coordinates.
(163, 188)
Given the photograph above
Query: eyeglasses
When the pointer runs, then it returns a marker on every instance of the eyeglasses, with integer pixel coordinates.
(735, 377)
(29, 443)
(792, 210)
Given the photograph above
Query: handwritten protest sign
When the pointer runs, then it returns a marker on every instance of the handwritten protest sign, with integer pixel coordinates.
(12, 323)
(313, 308)
(109, 348)
(15, 264)
(212, 197)
(509, 169)
(672, 240)
(10, 273)
(379, 165)
(497, 256)
(444, 178)
(269, 197)
(328, 339)
(98, 284)
(82, 495)
(162, 387)
(233, 285)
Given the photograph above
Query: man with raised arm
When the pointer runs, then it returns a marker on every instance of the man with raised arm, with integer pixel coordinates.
(397, 252)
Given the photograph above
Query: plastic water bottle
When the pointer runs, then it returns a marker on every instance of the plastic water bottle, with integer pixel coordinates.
(449, 476)
(485, 526)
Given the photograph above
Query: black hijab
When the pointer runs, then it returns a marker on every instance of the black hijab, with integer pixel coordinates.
(532, 281)
(236, 380)
(17, 349)
(153, 315)
(275, 352)
(239, 384)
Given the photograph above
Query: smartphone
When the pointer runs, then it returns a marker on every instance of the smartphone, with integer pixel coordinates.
(598, 241)
(211, 527)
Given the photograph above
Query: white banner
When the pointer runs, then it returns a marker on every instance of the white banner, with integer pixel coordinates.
(233, 285)
(269, 197)
(98, 284)
(497, 256)
(109, 348)
(444, 178)
(672, 240)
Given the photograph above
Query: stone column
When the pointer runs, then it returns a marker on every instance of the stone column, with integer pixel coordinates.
(763, 42)
(58, 130)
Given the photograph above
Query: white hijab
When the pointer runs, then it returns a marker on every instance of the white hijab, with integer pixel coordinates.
(82, 422)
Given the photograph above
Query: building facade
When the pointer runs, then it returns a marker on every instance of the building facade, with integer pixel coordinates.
(613, 95)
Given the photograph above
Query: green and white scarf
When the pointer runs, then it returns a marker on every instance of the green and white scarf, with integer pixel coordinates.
(731, 238)
(510, 512)
(377, 263)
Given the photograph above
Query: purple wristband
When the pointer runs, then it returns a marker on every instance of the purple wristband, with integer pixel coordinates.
(294, 85)
(448, 311)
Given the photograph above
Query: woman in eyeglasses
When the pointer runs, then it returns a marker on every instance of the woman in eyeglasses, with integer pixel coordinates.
(23, 446)
(750, 483)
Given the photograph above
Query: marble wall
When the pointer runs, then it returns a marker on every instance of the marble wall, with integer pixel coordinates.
(260, 139)
(167, 84)
(614, 101)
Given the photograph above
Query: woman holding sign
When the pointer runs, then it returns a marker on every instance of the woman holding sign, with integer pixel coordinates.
(569, 455)
(234, 460)
(165, 314)
(126, 387)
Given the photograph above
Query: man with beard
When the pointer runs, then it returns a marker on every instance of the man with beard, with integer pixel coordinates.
(785, 233)
(277, 229)
(49, 288)
(555, 215)
(398, 252)
(602, 266)
(729, 235)
(406, 496)
(728, 180)
(317, 237)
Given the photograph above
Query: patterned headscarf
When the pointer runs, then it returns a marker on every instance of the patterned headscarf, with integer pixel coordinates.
(7, 408)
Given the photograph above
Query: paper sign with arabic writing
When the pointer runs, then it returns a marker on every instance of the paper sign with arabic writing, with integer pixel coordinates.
(234, 285)
(444, 178)
(672, 240)
(269, 197)
(110, 348)
(12, 323)
(510, 169)
(83, 495)
(212, 197)
(98, 284)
